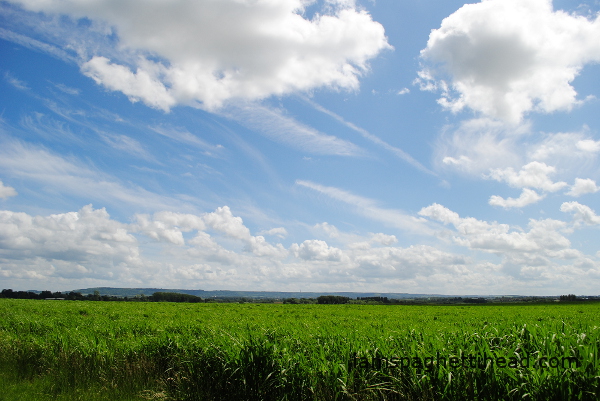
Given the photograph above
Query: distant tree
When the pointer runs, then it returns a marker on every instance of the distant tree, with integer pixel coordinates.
(383, 300)
(570, 297)
(74, 296)
(332, 299)
(174, 297)
(474, 300)
(291, 301)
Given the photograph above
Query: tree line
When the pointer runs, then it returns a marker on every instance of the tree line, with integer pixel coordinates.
(77, 296)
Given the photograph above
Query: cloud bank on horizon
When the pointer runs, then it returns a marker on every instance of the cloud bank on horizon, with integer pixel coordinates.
(276, 145)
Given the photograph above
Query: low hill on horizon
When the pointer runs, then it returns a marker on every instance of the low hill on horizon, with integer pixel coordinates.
(131, 292)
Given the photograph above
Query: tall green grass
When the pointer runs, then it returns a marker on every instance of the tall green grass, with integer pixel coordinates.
(134, 351)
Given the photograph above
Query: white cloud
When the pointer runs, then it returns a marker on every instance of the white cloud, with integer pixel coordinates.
(528, 196)
(532, 175)
(87, 238)
(373, 138)
(539, 255)
(407, 263)
(17, 83)
(222, 220)
(404, 91)
(70, 176)
(589, 145)
(368, 207)
(505, 58)
(142, 85)
(126, 144)
(67, 89)
(581, 213)
(168, 226)
(186, 137)
(384, 239)
(87, 248)
(477, 145)
(34, 44)
(329, 229)
(460, 162)
(6, 192)
(277, 126)
(213, 51)
(280, 232)
(316, 250)
(569, 146)
(485, 148)
(583, 186)
(260, 247)
(542, 238)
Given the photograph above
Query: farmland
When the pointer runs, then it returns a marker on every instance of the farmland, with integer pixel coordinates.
(79, 350)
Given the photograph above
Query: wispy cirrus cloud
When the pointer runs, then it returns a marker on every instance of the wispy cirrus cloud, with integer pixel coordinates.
(373, 138)
(16, 82)
(70, 176)
(184, 136)
(368, 207)
(279, 127)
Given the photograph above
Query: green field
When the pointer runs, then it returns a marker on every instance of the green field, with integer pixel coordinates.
(71, 350)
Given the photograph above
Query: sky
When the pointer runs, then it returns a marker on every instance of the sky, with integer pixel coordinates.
(416, 146)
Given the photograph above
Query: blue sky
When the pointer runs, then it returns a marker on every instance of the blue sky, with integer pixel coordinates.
(391, 146)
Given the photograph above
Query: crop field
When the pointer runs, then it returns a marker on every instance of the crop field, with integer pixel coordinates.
(80, 350)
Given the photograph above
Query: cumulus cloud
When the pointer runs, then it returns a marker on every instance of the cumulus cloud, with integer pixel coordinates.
(543, 236)
(141, 85)
(583, 186)
(582, 214)
(532, 175)
(224, 221)
(528, 196)
(280, 232)
(316, 250)
(589, 145)
(329, 229)
(260, 247)
(207, 52)
(87, 247)
(406, 263)
(88, 237)
(384, 239)
(6, 191)
(168, 227)
(505, 58)
(538, 254)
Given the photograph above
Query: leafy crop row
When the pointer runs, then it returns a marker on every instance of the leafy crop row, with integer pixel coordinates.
(85, 350)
